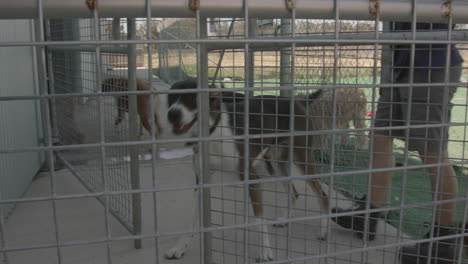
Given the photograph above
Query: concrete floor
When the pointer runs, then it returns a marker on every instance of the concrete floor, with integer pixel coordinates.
(84, 220)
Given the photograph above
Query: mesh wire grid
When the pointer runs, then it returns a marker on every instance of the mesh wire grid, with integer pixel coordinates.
(82, 116)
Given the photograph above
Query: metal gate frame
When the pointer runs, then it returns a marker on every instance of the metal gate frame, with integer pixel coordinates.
(133, 224)
(451, 12)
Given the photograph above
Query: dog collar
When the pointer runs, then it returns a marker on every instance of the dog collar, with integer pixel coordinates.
(212, 129)
(215, 124)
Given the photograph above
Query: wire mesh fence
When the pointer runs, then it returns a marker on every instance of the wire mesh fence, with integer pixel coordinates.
(77, 119)
(284, 116)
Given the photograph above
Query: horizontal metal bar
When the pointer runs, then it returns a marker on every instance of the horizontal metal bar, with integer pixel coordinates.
(253, 224)
(389, 10)
(317, 40)
(231, 183)
(240, 89)
(100, 198)
(90, 48)
(6, 149)
(393, 38)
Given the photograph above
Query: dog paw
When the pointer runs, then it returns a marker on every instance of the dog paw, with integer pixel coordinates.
(267, 255)
(175, 253)
(322, 236)
(178, 251)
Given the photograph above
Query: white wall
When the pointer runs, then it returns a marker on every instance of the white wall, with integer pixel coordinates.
(20, 120)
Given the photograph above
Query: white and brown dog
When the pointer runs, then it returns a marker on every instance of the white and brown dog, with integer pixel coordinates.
(143, 102)
(267, 115)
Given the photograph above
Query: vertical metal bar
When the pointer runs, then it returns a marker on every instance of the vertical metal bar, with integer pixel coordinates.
(47, 124)
(50, 72)
(37, 103)
(374, 82)
(133, 128)
(285, 58)
(154, 146)
(444, 128)
(116, 29)
(218, 66)
(203, 129)
(385, 78)
(42, 83)
(103, 167)
(292, 98)
(288, 73)
(252, 30)
(4, 258)
(248, 72)
(333, 135)
(180, 69)
(462, 230)
(408, 118)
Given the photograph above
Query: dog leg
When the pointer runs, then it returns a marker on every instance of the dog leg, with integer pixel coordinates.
(362, 142)
(184, 242)
(266, 254)
(323, 205)
(344, 138)
(277, 157)
(140, 129)
(360, 122)
(293, 196)
(255, 193)
(315, 185)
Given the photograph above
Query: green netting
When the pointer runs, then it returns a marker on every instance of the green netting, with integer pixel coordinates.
(416, 221)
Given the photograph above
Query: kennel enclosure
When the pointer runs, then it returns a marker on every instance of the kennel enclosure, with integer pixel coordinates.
(256, 47)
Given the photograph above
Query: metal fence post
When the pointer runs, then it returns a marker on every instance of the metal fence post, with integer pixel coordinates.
(43, 89)
(202, 71)
(253, 33)
(285, 58)
(116, 29)
(133, 129)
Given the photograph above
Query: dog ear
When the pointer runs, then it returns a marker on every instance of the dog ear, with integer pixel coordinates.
(315, 95)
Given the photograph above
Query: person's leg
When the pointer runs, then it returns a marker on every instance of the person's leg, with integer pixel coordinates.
(447, 186)
(443, 251)
(388, 114)
(431, 144)
(383, 157)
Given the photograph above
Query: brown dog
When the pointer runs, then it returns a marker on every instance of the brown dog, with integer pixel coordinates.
(143, 101)
(350, 107)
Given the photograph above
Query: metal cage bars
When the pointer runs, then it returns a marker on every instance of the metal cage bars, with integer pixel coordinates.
(430, 11)
(247, 44)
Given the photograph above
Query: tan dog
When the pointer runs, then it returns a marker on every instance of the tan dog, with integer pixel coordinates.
(143, 101)
(350, 107)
